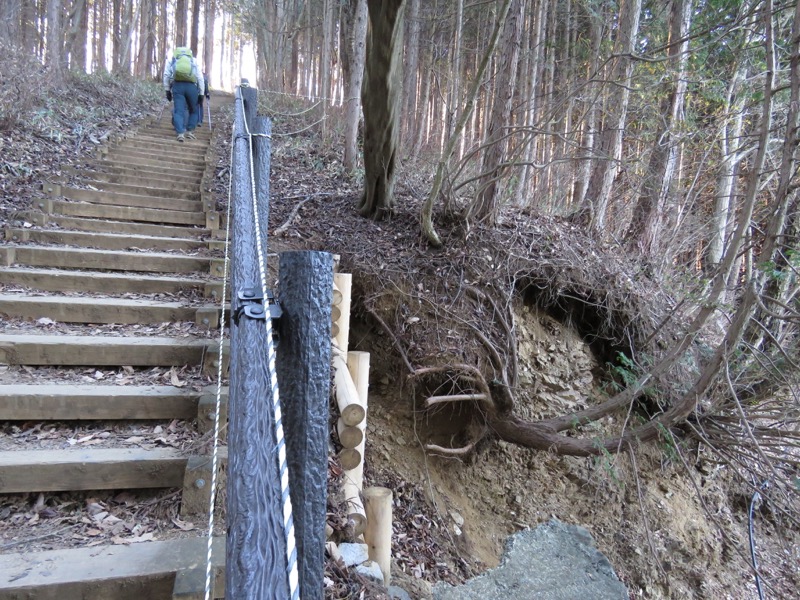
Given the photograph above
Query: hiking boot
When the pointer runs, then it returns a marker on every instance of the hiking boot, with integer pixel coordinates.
(181, 137)
(190, 135)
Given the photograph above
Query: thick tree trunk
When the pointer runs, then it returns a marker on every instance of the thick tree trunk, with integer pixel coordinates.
(195, 43)
(380, 96)
(54, 56)
(181, 12)
(354, 28)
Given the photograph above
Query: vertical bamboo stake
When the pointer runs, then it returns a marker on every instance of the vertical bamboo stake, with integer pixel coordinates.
(378, 501)
(343, 283)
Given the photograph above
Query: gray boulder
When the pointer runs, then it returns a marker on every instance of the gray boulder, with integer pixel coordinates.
(555, 561)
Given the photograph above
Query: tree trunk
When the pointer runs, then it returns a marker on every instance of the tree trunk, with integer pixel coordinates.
(486, 205)
(658, 180)
(10, 17)
(208, 37)
(195, 43)
(427, 208)
(380, 96)
(411, 107)
(609, 142)
(354, 28)
(181, 13)
(53, 58)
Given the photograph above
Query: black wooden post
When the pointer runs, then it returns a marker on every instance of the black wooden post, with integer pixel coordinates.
(256, 560)
(304, 367)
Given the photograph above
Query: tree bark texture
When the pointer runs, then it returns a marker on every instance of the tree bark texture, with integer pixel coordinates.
(353, 53)
(380, 97)
(304, 367)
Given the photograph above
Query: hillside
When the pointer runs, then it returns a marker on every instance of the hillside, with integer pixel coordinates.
(671, 517)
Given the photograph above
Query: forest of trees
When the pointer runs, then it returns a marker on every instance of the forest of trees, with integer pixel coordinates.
(667, 128)
(643, 121)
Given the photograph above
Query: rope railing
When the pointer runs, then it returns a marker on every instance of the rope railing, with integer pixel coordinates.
(264, 558)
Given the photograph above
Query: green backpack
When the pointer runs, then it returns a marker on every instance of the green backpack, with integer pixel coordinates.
(183, 65)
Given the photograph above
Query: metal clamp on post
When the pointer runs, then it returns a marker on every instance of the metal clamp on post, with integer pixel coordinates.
(250, 303)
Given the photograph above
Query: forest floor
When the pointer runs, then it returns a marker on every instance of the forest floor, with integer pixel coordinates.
(674, 524)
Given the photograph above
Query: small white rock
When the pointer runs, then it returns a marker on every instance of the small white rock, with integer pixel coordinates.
(354, 554)
(370, 570)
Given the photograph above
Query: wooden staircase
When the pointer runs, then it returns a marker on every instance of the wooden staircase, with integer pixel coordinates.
(132, 239)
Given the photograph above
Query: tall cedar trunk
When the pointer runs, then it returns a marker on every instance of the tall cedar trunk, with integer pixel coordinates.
(325, 63)
(411, 107)
(658, 180)
(380, 96)
(354, 34)
(53, 58)
(181, 12)
(116, 36)
(144, 24)
(486, 205)
(74, 20)
(454, 92)
(208, 37)
(195, 44)
(609, 142)
(10, 16)
(723, 214)
(101, 29)
(28, 26)
(127, 25)
(163, 39)
(81, 39)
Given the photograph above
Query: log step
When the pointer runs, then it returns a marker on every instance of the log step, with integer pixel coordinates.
(93, 469)
(142, 174)
(104, 260)
(125, 213)
(121, 178)
(117, 199)
(104, 241)
(181, 193)
(121, 572)
(87, 350)
(145, 169)
(72, 309)
(190, 160)
(61, 402)
(51, 280)
(121, 227)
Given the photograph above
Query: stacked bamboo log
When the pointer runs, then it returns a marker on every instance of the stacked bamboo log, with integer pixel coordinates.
(351, 380)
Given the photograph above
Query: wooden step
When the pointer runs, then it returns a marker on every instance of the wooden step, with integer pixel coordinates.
(125, 213)
(146, 175)
(119, 572)
(96, 351)
(92, 469)
(51, 280)
(106, 241)
(154, 167)
(120, 227)
(147, 188)
(120, 178)
(188, 159)
(64, 402)
(117, 199)
(73, 309)
(104, 260)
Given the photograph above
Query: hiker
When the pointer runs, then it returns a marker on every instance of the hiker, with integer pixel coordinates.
(204, 93)
(183, 81)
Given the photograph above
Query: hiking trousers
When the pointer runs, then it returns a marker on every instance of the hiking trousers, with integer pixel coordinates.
(184, 106)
